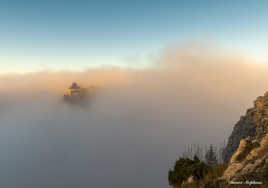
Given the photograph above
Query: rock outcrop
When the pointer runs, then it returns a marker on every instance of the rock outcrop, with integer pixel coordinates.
(250, 161)
(247, 148)
(254, 126)
(77, 95)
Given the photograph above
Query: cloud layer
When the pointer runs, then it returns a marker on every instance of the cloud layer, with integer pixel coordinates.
(135, 127)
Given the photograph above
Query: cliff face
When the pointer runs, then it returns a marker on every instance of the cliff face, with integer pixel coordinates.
(253, 126)
(247, 148)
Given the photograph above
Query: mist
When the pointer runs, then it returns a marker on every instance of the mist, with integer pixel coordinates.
(136, 125)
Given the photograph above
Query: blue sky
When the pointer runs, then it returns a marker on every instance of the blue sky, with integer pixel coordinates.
(76, 34)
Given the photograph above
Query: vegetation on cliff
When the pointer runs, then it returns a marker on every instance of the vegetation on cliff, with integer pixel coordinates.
(185, 168)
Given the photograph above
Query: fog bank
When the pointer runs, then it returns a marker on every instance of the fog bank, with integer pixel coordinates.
(135, 127)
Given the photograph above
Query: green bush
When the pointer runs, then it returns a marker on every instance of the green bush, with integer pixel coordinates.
(184, 168)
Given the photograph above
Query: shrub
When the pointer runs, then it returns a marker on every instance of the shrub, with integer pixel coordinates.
(184, 168)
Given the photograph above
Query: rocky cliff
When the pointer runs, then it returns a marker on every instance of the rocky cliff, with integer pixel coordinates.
(253, 126)
(249, 162)
(247, 148)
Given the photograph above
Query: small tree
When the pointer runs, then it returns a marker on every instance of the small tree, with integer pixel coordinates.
(211, 156)
(221, 148)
